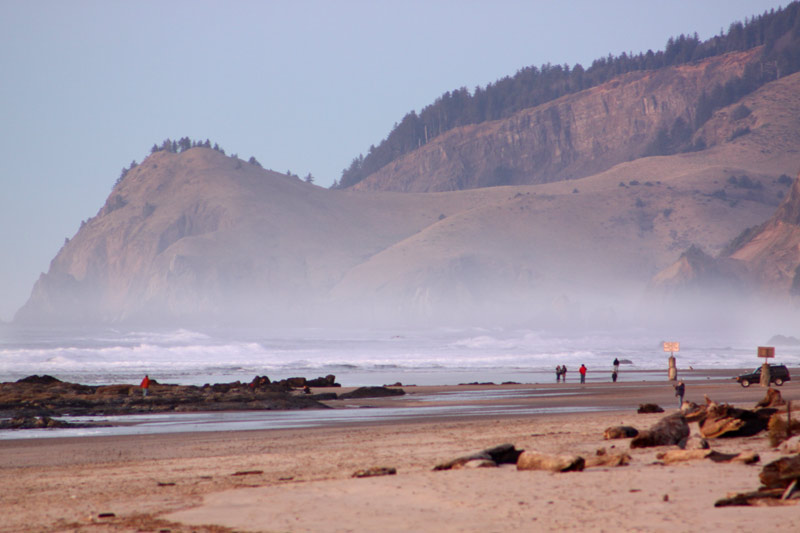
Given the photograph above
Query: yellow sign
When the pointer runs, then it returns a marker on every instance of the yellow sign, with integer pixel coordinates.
(766, 351)
(672, 346)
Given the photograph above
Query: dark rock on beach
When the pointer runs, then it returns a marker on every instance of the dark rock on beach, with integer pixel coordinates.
(40, 422)
(45, 396)
(371, 392)
(620, 432)
(646, 408)
(502, 454)
(670, 430)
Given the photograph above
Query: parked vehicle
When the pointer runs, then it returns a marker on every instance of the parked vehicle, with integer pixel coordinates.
(778, 374)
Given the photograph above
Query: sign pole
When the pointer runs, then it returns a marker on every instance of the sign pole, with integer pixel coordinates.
(672, 347)
(766, 352)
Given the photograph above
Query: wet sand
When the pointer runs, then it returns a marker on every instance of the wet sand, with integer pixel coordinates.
(300, 479)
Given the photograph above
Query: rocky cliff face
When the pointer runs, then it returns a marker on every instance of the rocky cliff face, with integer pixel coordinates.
(763, 259)
(570, 138)
(199, 236)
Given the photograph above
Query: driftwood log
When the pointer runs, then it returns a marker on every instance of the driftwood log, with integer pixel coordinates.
(781, 472)
(646, 408)
(607, 459)
(725, 421)
(780, 482)
(678, 456)
(620, 432)
(669, 430)
(503, 454)
(773, 398)
(376, 471)
(530, 460)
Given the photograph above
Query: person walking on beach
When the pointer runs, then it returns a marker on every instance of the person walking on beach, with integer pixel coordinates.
(582, 370)
(564, 373)
(680, 389)
(558, 373)
(616, 365)
(145, 385)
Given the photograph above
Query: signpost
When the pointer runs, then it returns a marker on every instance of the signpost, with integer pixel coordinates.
(766, 352)
(672, 347)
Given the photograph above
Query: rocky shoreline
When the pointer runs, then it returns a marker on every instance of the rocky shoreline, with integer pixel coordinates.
(32, 401)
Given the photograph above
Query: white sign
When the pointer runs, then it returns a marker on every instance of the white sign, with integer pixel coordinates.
(672, 347)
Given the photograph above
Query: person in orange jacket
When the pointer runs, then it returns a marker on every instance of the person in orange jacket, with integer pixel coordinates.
(145, 385)
(582, 370)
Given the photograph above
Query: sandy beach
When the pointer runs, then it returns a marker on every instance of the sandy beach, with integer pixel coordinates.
(300, 480)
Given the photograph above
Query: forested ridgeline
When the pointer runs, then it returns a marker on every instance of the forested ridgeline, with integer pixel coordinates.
(778, 31)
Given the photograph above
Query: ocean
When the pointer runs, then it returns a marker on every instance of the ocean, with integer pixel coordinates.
(369, 357)
(434, 356)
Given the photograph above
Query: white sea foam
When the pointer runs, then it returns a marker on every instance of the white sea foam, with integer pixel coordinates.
(437, 356)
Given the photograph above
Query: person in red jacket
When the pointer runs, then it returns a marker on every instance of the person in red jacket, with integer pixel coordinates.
(582, 370)
(145, 385)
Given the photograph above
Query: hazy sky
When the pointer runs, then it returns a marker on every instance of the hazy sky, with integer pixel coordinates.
(88, 86)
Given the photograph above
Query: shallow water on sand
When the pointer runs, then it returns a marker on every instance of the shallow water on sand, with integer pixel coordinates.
(261, 420)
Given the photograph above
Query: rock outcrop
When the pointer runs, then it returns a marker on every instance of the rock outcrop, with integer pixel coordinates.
(39, 398)
(764, 258)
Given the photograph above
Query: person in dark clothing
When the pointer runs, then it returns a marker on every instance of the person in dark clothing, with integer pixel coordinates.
(680, 389)
(616, 365)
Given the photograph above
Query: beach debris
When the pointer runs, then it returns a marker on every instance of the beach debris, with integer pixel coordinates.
(791, 445)
(248, 473)
(678, 456)
(106, 515)
(669, 430)
(646, 408)
(166, 484)
(725, 421)
(376, 471)
(780, 481)
(371, 392)
(693, 412)
(781, 473)
(620, 432)
(781, 429)
(479, 463)
(756, 498)
(502, 454)
(772, 398)
(603, 458)
(693, 442)
(530, 460)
